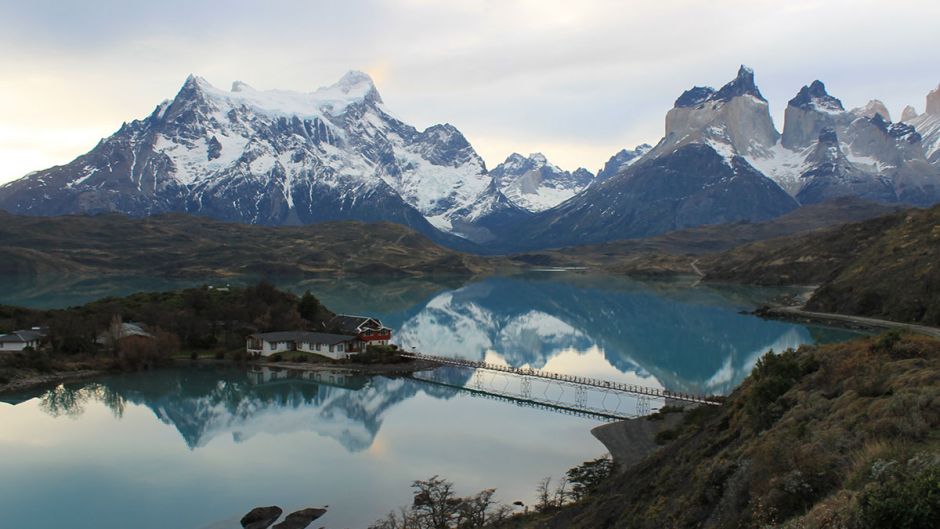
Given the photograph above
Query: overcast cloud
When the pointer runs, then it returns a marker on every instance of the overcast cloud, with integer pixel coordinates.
(574, 80)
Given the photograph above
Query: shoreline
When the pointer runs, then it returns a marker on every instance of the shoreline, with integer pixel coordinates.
(37, 380)
(46, 379)
(860, 323)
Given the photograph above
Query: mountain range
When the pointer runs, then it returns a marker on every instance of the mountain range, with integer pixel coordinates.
(337, 153)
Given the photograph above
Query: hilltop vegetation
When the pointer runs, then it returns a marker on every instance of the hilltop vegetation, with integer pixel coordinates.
(837, 436)
(673, 253)
(195, 320)
(183, 246)
(887, 267)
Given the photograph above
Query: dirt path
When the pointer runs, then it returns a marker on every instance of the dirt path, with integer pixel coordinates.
(827, 317)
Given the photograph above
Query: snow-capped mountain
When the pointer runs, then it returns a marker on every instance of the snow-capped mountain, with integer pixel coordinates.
(826, 152)
(697, 174)
(273, 157)
(534, 184)
(620, 161)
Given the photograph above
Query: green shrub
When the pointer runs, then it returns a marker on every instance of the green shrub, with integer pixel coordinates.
(771, 378)
(887, 340)
(665, 436)
(903, 496)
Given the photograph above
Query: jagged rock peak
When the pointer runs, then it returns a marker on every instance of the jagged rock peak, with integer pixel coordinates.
(908, 113)
(743, 84)
(872, 108)
(933, 101)
(815, 97)
(538, 157)
(695, 96)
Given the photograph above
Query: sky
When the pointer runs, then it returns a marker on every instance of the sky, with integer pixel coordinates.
(576, 81)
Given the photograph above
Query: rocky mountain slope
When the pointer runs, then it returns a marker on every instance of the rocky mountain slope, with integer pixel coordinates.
(620, 161)
(274, 158)
(691, 186)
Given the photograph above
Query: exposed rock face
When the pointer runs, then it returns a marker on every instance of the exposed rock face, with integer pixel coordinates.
(928, 125)
(831, 175)
(622, 160)
(807, 114)
(275, 158)
(933, 101)
(872, 155)
(736, 116)
(534, 184)
(908, 113)
(871, 109)
(261, 517)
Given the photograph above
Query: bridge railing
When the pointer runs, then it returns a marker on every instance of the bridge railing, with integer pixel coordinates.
(572, 379)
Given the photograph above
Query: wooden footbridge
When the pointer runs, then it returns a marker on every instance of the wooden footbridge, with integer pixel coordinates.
(608, 396)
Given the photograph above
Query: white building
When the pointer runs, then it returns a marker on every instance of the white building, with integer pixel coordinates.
(19, 340)
(335, 346)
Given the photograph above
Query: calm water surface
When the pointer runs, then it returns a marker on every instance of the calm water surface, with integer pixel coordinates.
(197, 448)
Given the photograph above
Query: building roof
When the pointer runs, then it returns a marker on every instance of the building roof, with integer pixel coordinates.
(350, 324)
(22, 336)
(127, 330)
(304, 337)
(133, 329)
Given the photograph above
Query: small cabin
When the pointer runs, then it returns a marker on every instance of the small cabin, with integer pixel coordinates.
(369, 331)
(335, 346)
(19, 340)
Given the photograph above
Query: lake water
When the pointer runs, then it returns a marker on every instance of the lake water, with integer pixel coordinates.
(197, 448)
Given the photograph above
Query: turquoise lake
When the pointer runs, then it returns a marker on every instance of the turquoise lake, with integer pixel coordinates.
(196, 448)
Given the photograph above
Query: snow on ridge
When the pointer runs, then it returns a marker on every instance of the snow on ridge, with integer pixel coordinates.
(354, 87)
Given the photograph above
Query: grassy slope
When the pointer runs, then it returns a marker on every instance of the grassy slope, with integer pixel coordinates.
(673, 252)
(185, 246)
(887, 267)
(798, 445)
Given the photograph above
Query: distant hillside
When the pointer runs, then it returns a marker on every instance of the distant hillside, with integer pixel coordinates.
(887, 267)
(673, 252)
(186, 246)
(833, 436)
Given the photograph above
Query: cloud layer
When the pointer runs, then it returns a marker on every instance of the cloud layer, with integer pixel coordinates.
(574, 80)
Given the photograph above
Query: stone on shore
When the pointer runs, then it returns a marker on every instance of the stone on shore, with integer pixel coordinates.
(261, 517)
(300, 519)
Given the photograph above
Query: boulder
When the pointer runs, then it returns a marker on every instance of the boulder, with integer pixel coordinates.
(300, 519)
(261, 517)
